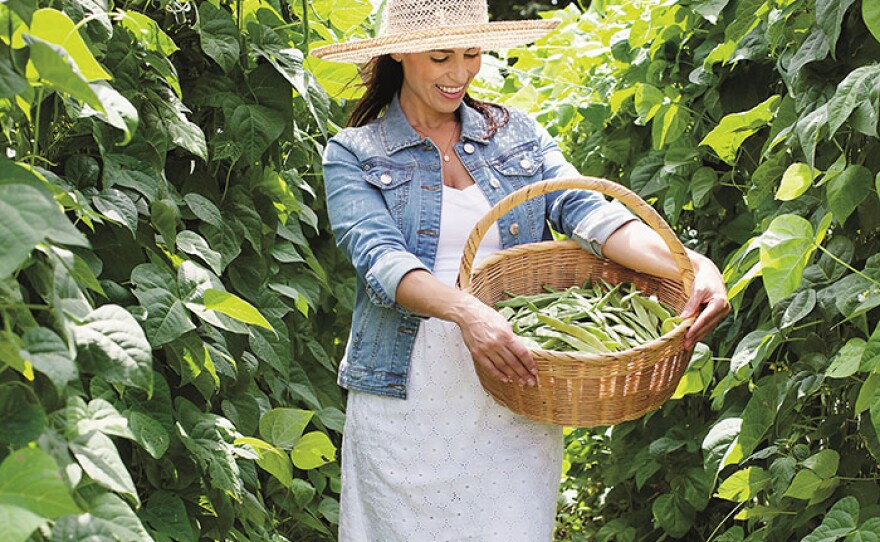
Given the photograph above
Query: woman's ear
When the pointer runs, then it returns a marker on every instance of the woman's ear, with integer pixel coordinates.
(396, 57)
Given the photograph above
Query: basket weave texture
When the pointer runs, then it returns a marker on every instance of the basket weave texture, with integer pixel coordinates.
(573, 388)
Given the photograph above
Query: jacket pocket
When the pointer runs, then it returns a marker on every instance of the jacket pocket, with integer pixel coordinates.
(524, 160)
(393, 181)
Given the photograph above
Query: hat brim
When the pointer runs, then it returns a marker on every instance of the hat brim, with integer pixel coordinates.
(494, 35)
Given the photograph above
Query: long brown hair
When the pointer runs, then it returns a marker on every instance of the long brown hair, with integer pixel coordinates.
(383, 77)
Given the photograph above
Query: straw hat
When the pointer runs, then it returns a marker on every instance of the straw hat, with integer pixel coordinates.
(412, 26)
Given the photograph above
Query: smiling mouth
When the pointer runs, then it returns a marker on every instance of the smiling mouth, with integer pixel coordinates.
(451, 90)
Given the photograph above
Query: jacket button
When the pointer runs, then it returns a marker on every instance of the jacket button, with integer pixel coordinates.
(385, 179)
(366, 167)
(525, 163)
(468, 148)
(495, 183)
(514, 229)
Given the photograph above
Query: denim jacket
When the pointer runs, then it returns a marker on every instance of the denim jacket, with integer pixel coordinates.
(383, 192)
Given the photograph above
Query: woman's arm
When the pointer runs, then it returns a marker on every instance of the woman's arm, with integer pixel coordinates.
(637, 246)
(486, 333)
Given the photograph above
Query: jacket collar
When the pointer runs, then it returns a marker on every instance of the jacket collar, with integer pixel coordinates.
(397, 133)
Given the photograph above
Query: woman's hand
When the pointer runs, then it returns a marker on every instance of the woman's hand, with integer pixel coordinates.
(493, 344)
(708, 302)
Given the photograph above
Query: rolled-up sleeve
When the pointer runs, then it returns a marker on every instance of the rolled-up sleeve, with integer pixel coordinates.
(583, 215)
(364, 228)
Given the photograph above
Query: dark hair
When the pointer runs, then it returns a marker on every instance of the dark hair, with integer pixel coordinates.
(383, 77)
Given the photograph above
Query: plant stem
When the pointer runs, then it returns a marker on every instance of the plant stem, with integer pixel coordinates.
(25, 306)
(305, 23)
(35, 148)
(723, 521)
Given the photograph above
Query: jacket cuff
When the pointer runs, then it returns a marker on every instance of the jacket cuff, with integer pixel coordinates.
(382, 279)
(592, 232)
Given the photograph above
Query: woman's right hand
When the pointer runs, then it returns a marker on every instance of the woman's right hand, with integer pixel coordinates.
(493, 344)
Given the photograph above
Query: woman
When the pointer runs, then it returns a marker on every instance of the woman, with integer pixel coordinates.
(427, 454)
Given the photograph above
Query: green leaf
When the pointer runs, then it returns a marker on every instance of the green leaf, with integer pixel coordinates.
(855, 89)
(166, 514)
(30, 479)
(867, 393)
(218, 35)
(119, 518)
(11, 82)
(647, 101)
(824, 463)
(871, 16)
(270, 459)
(55, 68)
(26, 217)
(164, 216)
(194, 244)
(846, 362)
(343, 14)
(21, 416)
(726, 138)
(283, 427)
(710, 9)
(234, 307)
(83, 528)
(703, 182)
(98, 415)
(796, 180)
(672, 516)
(116, 111)
(869, 531)
(760, 412)
(786, 248)
(839, 521)
(816, 47)
(149, 433)
(829, 17)
(49, 355)
(55, 27)
(204, 209)
(18, 523)
(846, 191)
(255, 128)
(871, 355)
(214, 454)
(99, 458)
(804, 485)
(744, 485)
(113, 345)
(117, 207)
(719, 442)
(802, 305)
(312, 451)
(147, 32)
(127, 171)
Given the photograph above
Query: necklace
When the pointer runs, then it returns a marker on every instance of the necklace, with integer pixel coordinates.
(448, 144)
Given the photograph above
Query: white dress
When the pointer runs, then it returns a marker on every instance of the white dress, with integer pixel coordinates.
(447, 463)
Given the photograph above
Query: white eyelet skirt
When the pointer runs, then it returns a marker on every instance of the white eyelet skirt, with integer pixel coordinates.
(448, 463)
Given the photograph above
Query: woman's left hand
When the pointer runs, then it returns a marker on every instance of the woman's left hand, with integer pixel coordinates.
(708, 302)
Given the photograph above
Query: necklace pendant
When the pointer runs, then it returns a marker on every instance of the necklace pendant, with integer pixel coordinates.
(445, 157)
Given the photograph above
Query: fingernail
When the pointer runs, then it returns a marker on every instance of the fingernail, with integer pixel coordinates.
(532, 382)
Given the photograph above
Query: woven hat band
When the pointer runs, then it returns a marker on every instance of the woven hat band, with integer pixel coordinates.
(406, 16)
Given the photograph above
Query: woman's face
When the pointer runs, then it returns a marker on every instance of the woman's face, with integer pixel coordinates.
(438, 79)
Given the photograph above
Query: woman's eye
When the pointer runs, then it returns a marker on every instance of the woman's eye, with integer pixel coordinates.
(472, 55)
(439, 60)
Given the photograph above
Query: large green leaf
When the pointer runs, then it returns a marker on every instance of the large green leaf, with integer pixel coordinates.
(147, 32)
(49, 355)
(21, 416)
(113, 345)
(847, 360)
(744, 485)
(55, 68)
(167, 317)
(119, 517)
(719, 442)
(255, 128)
(53, 26)
(726, 138)
(839, 521)
(100, 459)
(871, 16)
(674, 517)
(313, 450)
(148, 432)
(98, 415)
(83, 528)
(117, 110)
(786, 248)
(283, 427)
(829, 17)
(234, 307)
(760, 412)
(166, 514)
(11, 82)
(30, 479)
(855, 89)
(218, 35)
(846, 191)
(195, 245)
(18, 523)
(26, 217)
(796, 180)
(270, 459)
(343, 14)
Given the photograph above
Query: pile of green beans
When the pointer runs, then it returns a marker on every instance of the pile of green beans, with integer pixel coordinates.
(596, 318)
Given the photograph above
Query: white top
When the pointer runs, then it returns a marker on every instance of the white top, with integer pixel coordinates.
(459, 214)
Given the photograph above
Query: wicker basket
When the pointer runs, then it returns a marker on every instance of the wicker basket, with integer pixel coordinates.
(573, 388)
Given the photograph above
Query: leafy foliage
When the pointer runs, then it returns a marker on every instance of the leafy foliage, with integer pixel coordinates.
(752, 125)
(165, 274)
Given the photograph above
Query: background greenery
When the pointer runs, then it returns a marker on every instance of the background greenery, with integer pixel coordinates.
(173, 306)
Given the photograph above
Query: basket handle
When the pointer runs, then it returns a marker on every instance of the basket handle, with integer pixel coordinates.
(615, 190)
